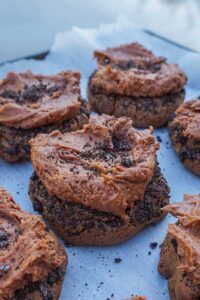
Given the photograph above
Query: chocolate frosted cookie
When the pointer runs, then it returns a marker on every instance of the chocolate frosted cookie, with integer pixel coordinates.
(31, 104)
(131, 81)
(184, 131)
(180, 255)
(32, 261)
(100, 185)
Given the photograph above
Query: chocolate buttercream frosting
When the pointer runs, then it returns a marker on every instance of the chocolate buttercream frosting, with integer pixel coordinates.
(30, 101)
(28, 250)
(132, 70)
(186, 234)
(188, 118)
(106, 166)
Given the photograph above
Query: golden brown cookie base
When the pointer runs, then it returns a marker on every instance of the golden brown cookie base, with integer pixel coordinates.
(81, 225)
(187, 148)
(14, 143)
(144, 112)
(179, 284)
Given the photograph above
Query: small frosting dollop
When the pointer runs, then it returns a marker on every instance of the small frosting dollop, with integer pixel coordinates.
(132, 70)
(106, 166)
(30, 101)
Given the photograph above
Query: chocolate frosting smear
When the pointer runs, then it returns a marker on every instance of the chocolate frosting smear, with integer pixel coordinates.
(30, 101)
(130, 56)
(28, 250)
(132, 70)
(106, 166)
(186, 233)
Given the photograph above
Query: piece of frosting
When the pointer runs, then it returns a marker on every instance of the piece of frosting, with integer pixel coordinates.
(188, 118)
(132, 70)
(27, 249)
(30, 101)
(139, 298)
(106, 166)
(186, 233)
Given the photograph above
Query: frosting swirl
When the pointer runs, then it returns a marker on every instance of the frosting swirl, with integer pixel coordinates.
(106, 166)
(132, 70)
(28, 250)
(30, 101)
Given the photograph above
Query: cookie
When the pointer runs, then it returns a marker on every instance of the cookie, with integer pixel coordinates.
(131, 81)
(100, 185)
(32, 104)
(180, 254)
(32, 261)
(184, 130)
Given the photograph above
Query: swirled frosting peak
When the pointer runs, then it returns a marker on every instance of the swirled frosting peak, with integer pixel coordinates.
(132, 70)
(30, 101)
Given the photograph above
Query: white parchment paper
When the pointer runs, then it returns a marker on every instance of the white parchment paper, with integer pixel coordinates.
(92, 272)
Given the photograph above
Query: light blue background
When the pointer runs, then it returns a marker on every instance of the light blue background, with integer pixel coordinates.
(29, 26)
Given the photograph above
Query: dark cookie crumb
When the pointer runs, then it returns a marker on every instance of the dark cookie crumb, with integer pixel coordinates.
(159, 138)
(153, 245)
(117, 260)
(3, 240)
(45, 291)
(120, 144)
(4, 269)
(126, 162)
(31, 93)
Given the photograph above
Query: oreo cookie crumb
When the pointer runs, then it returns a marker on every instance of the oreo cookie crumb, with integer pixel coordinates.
(153, 245)
(159, 138)
(126, 162)
(3, 240)
(4, 269)
(118, 260)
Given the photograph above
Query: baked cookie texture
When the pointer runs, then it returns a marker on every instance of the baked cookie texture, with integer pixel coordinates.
(32, 261)
(31, 104)
(180, 255)
(184, 130)
(99, 185)
(131, 81)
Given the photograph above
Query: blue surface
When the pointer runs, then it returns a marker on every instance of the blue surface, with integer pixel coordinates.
(89, 266)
